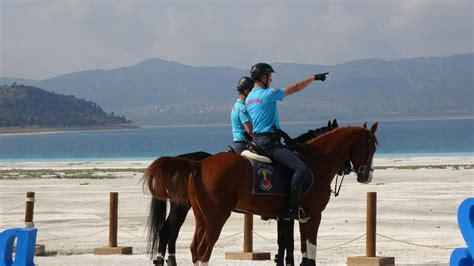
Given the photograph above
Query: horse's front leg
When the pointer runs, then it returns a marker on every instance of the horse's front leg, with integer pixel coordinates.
(303, 242)
(310, 240)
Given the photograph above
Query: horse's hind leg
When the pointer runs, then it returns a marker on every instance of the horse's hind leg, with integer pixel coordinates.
(176, 219)
(213, 230)
(282, 242)
(198, 232)
(163, 241)
(290, 245)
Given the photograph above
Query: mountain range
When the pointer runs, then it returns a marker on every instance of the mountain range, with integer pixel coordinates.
(159, 92)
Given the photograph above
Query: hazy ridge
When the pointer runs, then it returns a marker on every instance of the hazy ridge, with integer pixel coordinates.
(156, 91)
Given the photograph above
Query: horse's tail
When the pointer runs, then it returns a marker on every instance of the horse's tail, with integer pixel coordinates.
(156, 220)
(167, 178)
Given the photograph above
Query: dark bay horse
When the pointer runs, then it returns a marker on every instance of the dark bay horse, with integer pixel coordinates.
(162, 234)
(223, 182)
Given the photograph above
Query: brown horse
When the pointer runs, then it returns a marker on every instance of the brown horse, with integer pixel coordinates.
(223, 182)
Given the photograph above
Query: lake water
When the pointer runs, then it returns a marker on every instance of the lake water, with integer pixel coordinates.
(397, 138)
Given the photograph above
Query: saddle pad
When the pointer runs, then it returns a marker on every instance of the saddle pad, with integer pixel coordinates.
(271, 179)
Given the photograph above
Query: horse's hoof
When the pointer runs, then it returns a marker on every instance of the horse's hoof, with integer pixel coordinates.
(308, 262)
(278, 260)
(290, 261)
(159, 262)
(171, 261)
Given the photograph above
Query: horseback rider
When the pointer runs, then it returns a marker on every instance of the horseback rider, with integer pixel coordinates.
(262, 107)
(240, 119)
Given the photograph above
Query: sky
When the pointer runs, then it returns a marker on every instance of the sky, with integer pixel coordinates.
(44, 38)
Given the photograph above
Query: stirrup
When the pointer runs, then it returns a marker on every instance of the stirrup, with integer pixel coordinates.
(302, 216)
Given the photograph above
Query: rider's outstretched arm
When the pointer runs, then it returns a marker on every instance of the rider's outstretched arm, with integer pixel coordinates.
(300, 85)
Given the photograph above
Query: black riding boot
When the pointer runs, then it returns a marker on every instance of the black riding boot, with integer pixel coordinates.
(291, 209)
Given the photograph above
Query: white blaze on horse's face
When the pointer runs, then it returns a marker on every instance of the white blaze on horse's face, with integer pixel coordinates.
(370, 177)
(371, 172)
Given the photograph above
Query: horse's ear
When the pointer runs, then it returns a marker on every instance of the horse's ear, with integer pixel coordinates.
(374, 128)
(329, 124)
(334, 123)
(365, 125)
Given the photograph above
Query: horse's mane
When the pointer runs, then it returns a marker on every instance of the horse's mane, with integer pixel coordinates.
(335, 131)
(313, 133)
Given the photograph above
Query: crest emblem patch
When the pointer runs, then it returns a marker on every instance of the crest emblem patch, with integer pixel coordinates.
(265, 183)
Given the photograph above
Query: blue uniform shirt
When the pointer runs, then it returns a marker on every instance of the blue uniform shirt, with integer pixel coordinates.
(239, 117)
(262, 107)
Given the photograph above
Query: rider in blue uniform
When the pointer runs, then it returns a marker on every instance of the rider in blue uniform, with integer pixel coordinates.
(241, 123)
(262, 107)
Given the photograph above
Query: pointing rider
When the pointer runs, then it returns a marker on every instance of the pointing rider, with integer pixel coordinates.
(262, 107)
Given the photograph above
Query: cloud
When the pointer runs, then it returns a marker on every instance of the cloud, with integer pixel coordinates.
(41, 39)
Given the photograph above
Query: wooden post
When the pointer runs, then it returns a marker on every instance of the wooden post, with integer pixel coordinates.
(370, 257)
(247, 253)
(29, 212)
(113, 226)
(113, 217)
(30, 206)
(371, 224)
(248, 231)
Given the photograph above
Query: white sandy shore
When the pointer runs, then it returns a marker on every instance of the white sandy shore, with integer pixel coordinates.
(417, 221)
(136, 164)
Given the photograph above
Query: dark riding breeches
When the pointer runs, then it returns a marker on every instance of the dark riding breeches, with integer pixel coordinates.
(239, 147)
(284, 156)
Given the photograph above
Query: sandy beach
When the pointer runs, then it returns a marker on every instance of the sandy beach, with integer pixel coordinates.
(417, 206)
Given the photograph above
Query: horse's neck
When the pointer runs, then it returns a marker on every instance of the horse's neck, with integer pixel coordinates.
(335, 147)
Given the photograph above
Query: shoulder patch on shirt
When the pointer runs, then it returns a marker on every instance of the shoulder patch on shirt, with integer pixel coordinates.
(244, 111)
(274, 90)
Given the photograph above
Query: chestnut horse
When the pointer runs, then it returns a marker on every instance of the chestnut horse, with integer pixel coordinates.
(162, 234)
(223, 182)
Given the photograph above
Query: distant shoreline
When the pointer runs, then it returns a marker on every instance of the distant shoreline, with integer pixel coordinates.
(8, 131)
(290, 122)
(34, 130)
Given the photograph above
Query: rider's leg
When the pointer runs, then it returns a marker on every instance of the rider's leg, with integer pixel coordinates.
(239, 147)
(284, 156)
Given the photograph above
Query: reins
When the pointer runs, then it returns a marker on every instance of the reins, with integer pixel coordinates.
(337, 190)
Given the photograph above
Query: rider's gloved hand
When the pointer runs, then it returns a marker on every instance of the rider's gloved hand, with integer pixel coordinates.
(321, 76)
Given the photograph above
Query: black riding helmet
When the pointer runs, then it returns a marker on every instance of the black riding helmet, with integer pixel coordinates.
(260, 69)
(245, 83)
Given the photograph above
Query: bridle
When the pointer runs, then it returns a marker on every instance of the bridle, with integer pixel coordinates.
(361, 171)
